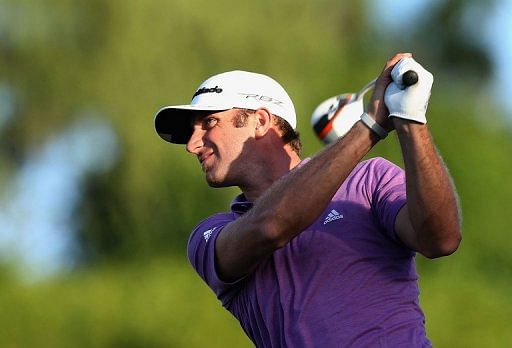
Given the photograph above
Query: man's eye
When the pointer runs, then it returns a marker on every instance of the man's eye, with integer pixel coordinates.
(210, 122)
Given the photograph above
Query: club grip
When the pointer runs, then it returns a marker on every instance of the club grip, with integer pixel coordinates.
(409, 78)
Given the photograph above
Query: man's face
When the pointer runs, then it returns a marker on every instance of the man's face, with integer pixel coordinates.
(218, 144)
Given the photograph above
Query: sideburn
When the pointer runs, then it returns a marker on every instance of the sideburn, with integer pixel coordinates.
(241, 119)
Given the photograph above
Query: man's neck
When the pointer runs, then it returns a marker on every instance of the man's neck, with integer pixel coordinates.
(268, 175)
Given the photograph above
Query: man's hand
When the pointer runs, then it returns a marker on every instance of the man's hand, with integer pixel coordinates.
(377, 107)
(409, 103)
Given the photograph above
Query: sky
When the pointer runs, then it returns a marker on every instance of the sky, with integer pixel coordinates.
(36, 212)
(499, 38)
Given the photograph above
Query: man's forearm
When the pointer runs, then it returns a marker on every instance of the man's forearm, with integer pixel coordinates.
(296, 201)
(431, 198)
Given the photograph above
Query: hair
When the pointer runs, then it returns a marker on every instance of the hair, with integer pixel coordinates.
(288, 134)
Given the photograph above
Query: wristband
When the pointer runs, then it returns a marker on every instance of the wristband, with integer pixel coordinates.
(374, 126)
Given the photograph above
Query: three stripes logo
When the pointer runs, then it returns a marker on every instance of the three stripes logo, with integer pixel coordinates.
(333, 215)
(208, 233)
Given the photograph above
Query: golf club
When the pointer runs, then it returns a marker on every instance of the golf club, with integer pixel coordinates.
(334, 117)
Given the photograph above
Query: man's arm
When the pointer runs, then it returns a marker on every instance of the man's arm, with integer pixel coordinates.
(430, 221)
(295, 201)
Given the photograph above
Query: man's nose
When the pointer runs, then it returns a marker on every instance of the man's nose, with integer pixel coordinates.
(195, 142)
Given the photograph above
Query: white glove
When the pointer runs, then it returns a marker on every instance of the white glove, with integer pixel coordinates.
(411, 102)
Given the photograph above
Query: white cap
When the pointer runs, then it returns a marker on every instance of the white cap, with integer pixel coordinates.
(233, 89)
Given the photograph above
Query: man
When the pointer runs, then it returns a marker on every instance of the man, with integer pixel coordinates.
(320, 252)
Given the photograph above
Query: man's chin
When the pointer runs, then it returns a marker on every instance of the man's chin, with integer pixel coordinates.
(215, 182)
(218, 182)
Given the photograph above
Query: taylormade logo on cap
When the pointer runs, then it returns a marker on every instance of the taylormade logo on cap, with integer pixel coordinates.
(233, 89)
(215, 89)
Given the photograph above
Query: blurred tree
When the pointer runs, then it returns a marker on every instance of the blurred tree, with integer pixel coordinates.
(128, 59)
(46, 53)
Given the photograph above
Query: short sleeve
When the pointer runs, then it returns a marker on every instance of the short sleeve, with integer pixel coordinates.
(388, 193)
(201, 254)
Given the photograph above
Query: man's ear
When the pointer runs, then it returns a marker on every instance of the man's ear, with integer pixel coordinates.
(263, 122)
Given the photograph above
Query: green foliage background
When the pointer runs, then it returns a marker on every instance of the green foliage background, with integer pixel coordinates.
(132, 286)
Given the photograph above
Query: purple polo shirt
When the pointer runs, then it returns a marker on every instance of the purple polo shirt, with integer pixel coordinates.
(345, 281)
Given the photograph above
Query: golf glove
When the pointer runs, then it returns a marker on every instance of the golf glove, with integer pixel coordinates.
(411, 102)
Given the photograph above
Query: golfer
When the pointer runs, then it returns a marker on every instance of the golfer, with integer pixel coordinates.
(317, 252)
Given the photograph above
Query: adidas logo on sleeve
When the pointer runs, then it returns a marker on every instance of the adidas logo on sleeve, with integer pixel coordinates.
(208, 233)
(333, 215)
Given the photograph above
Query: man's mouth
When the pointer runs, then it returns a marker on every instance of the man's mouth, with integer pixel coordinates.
(203, 159)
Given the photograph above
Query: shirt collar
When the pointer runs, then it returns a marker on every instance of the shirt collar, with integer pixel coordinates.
(240, 204)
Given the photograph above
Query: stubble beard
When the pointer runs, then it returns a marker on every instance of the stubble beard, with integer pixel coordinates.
(218, 180)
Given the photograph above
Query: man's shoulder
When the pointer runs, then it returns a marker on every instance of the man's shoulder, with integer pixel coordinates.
(373, 171)
(217, 219)
(375, 164)
(207, 226)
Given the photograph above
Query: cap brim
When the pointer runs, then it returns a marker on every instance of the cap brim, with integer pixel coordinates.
(174, 123)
